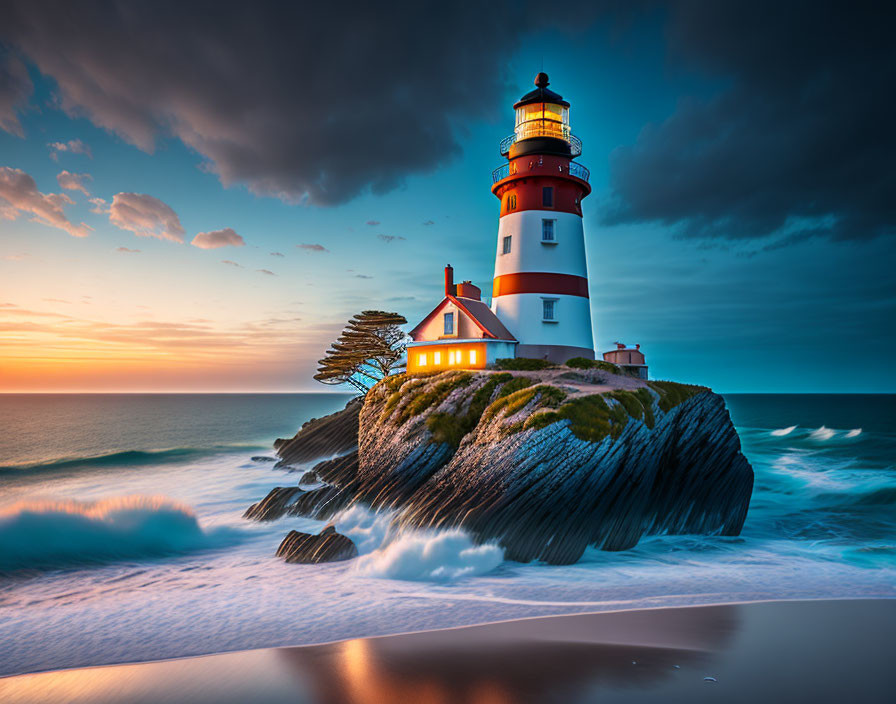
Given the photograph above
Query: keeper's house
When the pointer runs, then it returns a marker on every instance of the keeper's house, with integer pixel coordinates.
(461, 332)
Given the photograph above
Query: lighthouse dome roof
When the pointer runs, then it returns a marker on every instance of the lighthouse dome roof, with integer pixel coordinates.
(541, 94)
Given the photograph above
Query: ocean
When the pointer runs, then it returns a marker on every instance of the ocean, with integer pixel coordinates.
(122, 537)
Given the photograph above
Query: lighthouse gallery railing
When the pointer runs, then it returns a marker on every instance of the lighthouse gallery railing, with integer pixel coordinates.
(575, 169)
(575, 144)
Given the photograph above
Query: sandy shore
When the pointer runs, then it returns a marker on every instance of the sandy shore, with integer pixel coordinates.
(806, 651)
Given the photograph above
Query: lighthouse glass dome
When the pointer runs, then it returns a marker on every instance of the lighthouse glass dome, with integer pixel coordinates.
(542, 120)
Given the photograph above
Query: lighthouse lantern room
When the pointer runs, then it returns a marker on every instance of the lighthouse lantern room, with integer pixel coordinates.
(540, 306)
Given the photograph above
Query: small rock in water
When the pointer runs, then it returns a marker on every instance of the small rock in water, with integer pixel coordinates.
(327, 546)
(677, 667)
(710, 679)
(262, 458)
(634, 662)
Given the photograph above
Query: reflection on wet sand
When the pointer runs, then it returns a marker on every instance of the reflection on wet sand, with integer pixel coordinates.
(547, 659)
(786, 651)
(556, 659)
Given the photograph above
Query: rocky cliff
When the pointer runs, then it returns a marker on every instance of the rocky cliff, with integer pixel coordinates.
(546, 463)
(332, 435)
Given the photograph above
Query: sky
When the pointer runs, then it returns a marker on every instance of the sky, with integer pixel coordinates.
(198, 196)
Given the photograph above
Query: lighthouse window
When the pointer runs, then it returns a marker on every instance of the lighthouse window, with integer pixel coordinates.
(449, 323)
(547, 231)
(505, 245)
(547, 196)
(548, 309)
(511, 202)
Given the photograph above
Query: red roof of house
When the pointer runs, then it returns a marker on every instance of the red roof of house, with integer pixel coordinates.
(477, 311)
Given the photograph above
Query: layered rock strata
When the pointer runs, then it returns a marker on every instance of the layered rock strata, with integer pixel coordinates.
(327, 546)
(544, 463)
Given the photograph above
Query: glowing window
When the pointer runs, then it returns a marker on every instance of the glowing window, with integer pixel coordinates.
(505, 246)
(449, 323)
(421, 360)
(512, 201)
(436, 357)
(452, 359)
(472, 356)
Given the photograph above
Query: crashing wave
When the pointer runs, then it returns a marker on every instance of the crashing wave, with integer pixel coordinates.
(429, 555)
(781, 432)
(822, 433)
(124, 458)
(45, 534)
(411, 554)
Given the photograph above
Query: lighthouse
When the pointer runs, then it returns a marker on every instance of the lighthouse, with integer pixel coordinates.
(540, 286)
(540, 307)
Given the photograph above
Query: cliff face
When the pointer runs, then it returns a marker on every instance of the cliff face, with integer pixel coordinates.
(546, 463)
(329, 436)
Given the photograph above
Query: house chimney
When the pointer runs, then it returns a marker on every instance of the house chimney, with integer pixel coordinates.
(620, 345)
(450, 289)
(466, 289)
(638, 346)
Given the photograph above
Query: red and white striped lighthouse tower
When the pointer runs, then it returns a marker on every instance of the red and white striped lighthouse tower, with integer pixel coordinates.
(540, 289)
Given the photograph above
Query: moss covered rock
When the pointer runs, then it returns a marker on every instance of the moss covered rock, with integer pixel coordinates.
(544, 469)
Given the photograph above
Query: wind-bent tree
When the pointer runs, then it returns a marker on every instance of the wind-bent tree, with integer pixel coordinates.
(371, 347)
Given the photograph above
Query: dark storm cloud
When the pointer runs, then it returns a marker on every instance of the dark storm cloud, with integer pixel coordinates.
(15, 88)
(801, 140)
(297, 100)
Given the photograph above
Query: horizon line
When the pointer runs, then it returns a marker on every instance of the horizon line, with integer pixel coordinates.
(350, 392)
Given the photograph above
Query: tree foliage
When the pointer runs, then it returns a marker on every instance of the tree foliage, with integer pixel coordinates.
(370, 347)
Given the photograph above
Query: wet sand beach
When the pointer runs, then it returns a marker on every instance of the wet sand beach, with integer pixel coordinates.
(804, 651)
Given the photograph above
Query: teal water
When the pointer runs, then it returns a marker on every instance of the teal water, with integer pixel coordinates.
(83, 429)
(121, 536)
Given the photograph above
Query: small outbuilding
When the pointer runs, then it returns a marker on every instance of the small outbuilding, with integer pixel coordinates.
(631, 359)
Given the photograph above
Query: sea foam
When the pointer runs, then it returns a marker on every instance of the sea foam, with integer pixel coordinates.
(781, 432)
(441, 556)
(45, 534)
(413, 554)
(822, 433)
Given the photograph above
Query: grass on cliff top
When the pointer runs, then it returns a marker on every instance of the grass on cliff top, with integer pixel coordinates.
(511, 403)
(433, 395)
(585, 363)
(523, 364)
(672, 393)
(592, 418)
(420, 391)
(451, 428)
